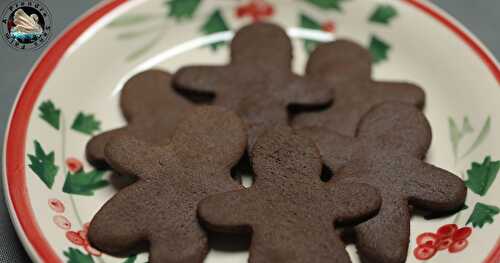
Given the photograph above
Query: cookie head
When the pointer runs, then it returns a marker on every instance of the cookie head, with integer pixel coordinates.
(247, 46)
(339, 61)
(396, 127)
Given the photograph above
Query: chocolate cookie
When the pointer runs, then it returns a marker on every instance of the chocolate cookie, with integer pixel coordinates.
(159, 210)
(290, 212)
(386, 154)
(347, 67)
(151, 108)
(258, 83)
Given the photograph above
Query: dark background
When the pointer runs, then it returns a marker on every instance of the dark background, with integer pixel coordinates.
(482, 17)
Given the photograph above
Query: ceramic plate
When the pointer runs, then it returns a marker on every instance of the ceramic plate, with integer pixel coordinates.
(71, 94)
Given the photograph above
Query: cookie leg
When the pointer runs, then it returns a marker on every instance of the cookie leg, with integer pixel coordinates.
(385, 238)
(187, 246)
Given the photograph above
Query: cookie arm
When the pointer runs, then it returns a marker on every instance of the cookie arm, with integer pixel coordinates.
(205, 79)
(94, 149)
(308, 91)
(400, 92)
(352, 201)
(228, 212)
(433, 188)
(129, 156)
(116, 229)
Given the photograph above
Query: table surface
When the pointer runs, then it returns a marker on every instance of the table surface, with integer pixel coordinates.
(479, 16)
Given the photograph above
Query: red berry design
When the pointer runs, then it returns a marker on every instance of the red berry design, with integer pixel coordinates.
(462, 233)
(74, 165)
(62, 222)
(458, 246)
(444, 243)
(424, 252)
(427, 238)
(75, 238)
(92, 251)
(256, 9)
(328, 26)
(447, 230)
(56, 205)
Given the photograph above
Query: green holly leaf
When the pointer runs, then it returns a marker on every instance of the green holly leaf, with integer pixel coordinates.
(50, 113)
(327, 4)
(457, 134)
(82, 183)
(482, 175)
(309, 23)
(181, 9)
(86, 123)
(215, 23)
(76, 256)
(383, 14)
(379, 49)
(130, 259)
(482, 214)
(42, 164)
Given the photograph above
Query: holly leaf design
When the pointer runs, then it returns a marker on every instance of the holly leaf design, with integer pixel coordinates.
(383, 14)
(327, 4)
(482, 175)
(50, 114)
(456, 134)
(181, 9)
(215, 23)
(82, 183)
(130, 259)
(86, 123)
(43, 165)
(129, 20)
(379, 49)
(482, 214)
(309, 23)
(485, 130)
(76, 256)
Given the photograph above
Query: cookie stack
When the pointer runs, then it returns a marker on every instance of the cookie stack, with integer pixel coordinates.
(371, 135)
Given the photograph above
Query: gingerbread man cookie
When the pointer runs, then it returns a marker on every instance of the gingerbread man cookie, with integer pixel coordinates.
(159, 210)
(290, 212)
(151, 108)
(347, 67)
(391, 141)
(258, 83)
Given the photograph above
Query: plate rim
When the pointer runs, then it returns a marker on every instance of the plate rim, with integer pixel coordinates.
(14, 176)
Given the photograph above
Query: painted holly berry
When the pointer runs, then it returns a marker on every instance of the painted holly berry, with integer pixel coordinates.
(56, 205)
(447, 237)
(73, 164)
(458, 246)
(62, 222)
(80, 238)
(444, 243)
(427, 238)
(424, 252)
(75, 238)
(256, 9)
(446, 230)
(462, 233)
(329, 26)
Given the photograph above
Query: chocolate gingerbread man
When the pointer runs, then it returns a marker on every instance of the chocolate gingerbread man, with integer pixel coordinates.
(347, 67)
(151, 108)
(290, 212)
(258, 83)
(159, 210)
(386, 153)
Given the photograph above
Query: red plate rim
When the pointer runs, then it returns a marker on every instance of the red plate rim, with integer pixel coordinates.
(15, 139)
